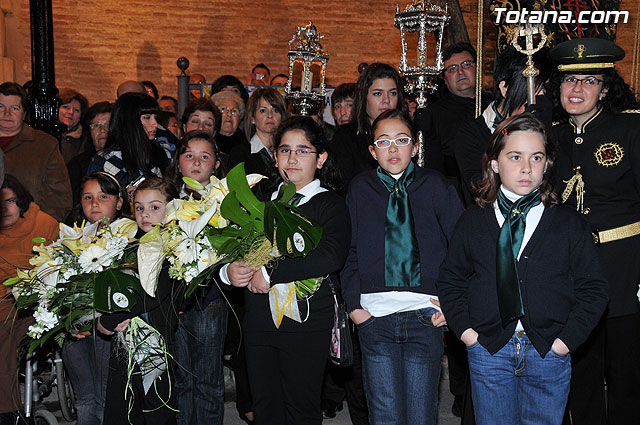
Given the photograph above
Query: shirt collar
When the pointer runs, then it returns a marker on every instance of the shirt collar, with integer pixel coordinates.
(309, 191)
(513, 197)
(257, 145)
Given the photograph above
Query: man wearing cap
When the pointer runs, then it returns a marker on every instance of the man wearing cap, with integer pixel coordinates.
(599, 175)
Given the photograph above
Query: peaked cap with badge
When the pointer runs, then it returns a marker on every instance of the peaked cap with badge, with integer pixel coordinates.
(586, 55)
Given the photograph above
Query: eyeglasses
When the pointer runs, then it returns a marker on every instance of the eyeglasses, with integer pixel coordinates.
(386, 143)
(232, 111)
(451, 69)
(99, 126)
(573, 81)
(299, 152)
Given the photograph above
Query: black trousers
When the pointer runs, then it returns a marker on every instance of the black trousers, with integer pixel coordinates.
(285, 376)
(341, 382)
(611, 354)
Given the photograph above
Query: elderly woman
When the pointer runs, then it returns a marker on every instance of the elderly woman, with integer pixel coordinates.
(21, 220)
(73, 108)
(201, 115)
(231, 108)
(32, 155)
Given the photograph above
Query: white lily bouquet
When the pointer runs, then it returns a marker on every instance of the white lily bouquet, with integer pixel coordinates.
(226, 224)
(82, 274)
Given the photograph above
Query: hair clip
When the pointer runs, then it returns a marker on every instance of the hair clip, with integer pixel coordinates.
(504, 131)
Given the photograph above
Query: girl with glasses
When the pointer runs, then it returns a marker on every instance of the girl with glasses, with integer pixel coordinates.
(402, 218)
(286, 363)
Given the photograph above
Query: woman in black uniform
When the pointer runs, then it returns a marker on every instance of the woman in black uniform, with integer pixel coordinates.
(599, 174)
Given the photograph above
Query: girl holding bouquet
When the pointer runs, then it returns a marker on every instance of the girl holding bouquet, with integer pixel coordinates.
(203, 324)
(154, 403)
(286, 363)
(87, 359)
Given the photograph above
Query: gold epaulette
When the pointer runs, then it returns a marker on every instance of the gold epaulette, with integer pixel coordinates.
(631, 111)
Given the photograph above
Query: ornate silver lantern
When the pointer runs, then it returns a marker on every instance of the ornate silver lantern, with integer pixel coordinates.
(421, 17)
(305, 48)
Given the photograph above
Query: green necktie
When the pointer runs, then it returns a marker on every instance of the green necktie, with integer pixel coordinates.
(296, 198)
(402, 256)
(509, 243)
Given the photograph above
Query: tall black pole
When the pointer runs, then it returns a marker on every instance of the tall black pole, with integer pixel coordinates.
(44, 103)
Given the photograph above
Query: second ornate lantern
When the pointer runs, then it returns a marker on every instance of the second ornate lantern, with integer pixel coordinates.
(305, 49)
(421, 17)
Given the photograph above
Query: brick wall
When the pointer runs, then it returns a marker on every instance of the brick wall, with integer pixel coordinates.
(99, 43)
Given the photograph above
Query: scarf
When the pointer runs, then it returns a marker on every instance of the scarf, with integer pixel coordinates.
(509, 243)
(402, 255)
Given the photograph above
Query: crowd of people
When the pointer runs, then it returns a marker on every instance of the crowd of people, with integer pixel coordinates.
(473, 254)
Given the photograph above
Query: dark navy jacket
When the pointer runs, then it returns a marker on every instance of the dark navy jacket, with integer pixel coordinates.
(435, 205)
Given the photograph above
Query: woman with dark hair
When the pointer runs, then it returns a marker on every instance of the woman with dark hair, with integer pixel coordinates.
(97, 120)
(229, 82)
(379, 89)
(201, 115)
(150, 89)
(277, 356)
(72, 111)
(599, 167)
(131, 151)
(265, 110)
(21, 220)
(510, 91)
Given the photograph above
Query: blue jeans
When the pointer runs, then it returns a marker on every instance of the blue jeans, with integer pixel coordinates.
(87, 364)
(401, 362)
(516, 386)
(199, 373)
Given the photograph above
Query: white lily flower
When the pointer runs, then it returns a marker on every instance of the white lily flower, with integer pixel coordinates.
(76, 234)
(193, 227)
(125, 227)
(206, 259)
(150, 259)
(48, 272)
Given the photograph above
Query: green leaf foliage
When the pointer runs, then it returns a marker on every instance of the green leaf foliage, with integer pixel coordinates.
(294, 233)
(113, 287)
(193, 183)
(12, 281)
(241, 206)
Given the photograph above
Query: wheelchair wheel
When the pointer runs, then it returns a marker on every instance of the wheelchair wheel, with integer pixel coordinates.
(65, 392)
(44, 417)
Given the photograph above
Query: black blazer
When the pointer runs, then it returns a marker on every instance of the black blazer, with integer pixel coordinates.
(563, 290)
(330, 211)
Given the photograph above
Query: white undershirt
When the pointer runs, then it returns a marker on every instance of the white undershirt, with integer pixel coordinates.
(380, 304)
